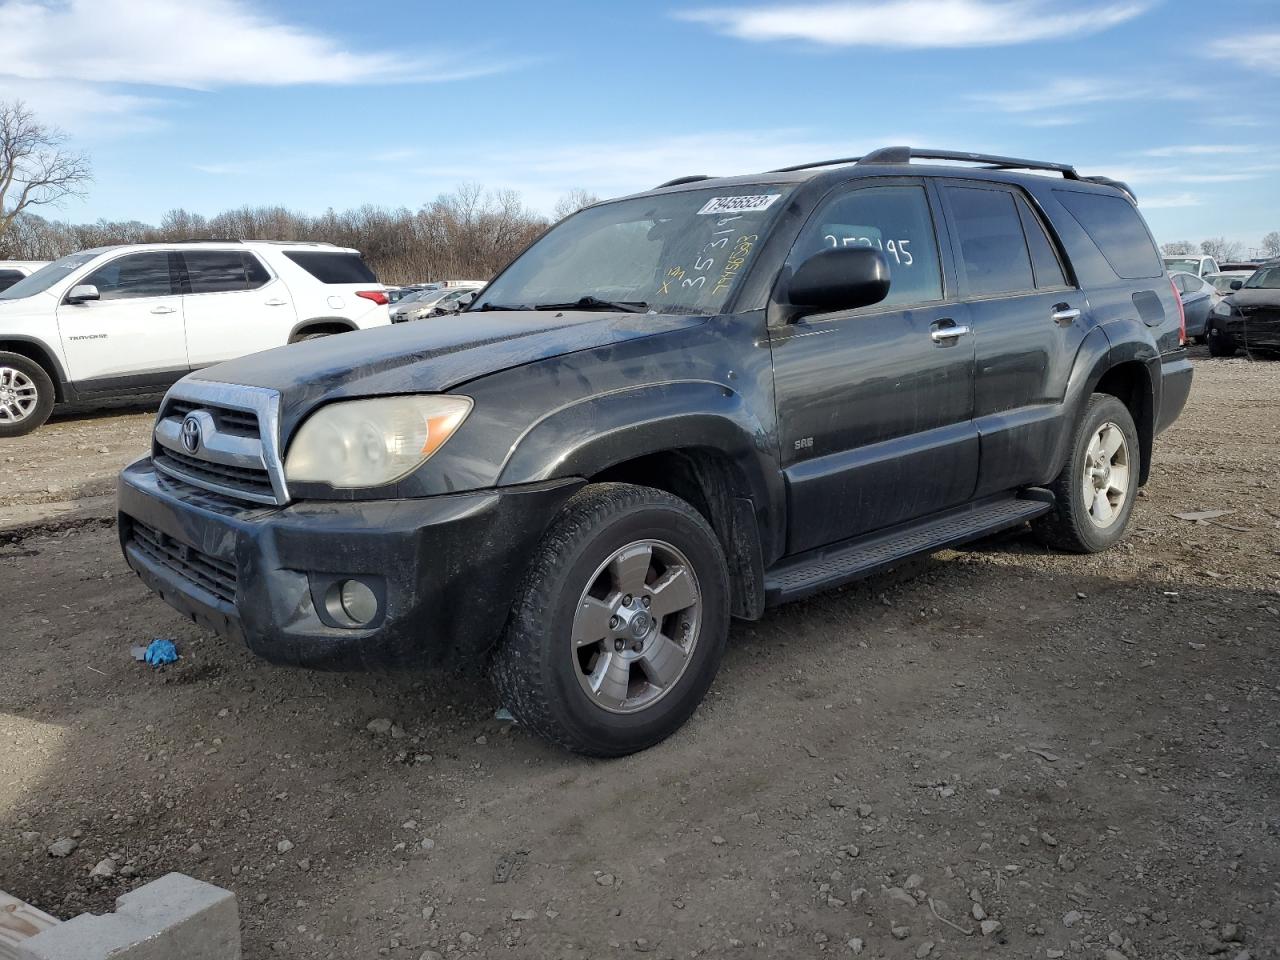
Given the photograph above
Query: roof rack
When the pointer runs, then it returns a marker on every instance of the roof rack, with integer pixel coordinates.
(679, 180)
(894, 155)
(282, 243)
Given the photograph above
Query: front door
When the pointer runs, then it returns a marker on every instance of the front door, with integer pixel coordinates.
(234, 306)
(132, 339)
(875, 404)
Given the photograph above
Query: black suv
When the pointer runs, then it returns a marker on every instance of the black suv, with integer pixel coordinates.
(673, 409)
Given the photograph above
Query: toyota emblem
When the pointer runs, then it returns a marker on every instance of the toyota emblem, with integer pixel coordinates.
(191, 434)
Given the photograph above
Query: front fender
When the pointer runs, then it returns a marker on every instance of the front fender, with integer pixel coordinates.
(588, 436)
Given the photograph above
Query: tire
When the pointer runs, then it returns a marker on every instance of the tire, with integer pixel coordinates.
(586, 567)
(1202, 339)
(1071, 525)
(26, 395)
(1221, 343)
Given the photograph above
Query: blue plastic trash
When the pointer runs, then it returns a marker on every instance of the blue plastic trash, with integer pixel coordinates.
(161, 652)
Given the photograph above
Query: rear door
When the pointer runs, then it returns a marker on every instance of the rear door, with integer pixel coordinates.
(875, 404)
(132, 339)
(233, 305)
(1028, 322)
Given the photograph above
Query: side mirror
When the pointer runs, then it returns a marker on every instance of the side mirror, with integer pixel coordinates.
(83, 292)
(843, 278)
(1237, 284)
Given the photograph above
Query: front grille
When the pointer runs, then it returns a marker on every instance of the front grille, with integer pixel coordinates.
(212, 575)
(239, 422)
(248, 480)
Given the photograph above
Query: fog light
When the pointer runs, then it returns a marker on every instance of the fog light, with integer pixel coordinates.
(359, 603)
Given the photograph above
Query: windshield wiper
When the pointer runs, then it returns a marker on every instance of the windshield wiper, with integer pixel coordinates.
(595, 303)
(498, 306)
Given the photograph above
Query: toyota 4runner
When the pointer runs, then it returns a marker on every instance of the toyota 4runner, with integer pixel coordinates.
(673, 409)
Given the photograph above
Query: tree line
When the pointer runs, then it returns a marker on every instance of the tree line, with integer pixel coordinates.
(1220, 248)
(468, 233)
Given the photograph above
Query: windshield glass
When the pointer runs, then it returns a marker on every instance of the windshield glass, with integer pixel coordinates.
(1186, 264)
(1266, 278)
(674, 253)
(1222, 281)
(48, 275)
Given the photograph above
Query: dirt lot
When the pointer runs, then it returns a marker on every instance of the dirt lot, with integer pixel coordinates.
(1085, 752)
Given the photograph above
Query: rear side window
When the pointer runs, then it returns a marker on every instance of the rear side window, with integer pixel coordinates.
(1118, 230)
(333, 267)
(1044, 259)
(133, 276)
(993, 250)
(894, 220)
(221, 271)
(8, 278)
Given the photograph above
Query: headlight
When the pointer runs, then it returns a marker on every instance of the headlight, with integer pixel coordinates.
(1223, 309)
(366, 443)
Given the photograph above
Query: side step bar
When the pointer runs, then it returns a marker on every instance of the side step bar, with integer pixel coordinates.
(816, 570)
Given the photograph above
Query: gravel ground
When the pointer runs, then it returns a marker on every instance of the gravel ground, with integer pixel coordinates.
(997, 751)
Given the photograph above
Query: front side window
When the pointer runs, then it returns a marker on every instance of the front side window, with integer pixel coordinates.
(892, 219)
(133, 276)
(48, 275)
(682, 252)
(993, 250)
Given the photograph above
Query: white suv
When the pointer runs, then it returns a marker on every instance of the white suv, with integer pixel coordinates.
(130, 320)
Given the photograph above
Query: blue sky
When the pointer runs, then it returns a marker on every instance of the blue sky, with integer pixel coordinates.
(325, 103)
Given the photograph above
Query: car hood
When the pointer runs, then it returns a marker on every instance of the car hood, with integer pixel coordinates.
(430, 357)
(37, 305)
(1256, 297)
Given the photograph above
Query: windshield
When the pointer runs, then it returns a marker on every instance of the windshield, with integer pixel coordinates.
(1266, 278)
(48, 275)
(672, 253)
(1222, 281)
(1186, 264)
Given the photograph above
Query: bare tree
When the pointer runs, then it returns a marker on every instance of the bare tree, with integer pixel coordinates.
(36, 169)
(572, 202)
(1220, 248)
(1178, 248)
(1271, 244)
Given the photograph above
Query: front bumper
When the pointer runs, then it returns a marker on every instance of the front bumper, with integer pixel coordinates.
(445, 569)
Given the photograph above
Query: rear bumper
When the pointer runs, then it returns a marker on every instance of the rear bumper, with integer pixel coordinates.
(444, 569)
(1175, 387)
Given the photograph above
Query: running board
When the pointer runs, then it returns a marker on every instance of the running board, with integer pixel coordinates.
(816, 570)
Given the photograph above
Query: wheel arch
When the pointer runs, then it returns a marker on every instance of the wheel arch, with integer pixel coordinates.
(320, 325)
(38, 352)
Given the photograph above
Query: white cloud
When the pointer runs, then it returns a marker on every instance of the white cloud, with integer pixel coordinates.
(1200, 150)
(1256, 51)
(1170, 201)
(918, 23)
(205, 45)
(1073, 92)
(88, 109)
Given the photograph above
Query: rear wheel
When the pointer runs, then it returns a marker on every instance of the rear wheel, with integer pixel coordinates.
(620, 624)
(1096, 489)
(26, 395)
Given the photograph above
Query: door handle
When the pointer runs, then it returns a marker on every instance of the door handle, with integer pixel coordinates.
(944, 335)
(275, 302)
(1064, 315)
(163, 310)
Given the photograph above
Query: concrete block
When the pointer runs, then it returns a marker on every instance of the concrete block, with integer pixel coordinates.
(170, 918)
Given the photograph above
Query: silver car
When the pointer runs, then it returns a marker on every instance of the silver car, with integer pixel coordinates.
(420, 305)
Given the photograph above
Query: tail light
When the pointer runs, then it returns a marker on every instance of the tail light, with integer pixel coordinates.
(377, 296)
(1182, 314)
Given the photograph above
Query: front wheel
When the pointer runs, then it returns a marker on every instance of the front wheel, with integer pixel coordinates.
(620, 624)
(26, 395)
(1094, 494)
(1221, 343)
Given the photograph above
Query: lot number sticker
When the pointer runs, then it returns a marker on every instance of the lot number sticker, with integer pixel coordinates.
(718, 205)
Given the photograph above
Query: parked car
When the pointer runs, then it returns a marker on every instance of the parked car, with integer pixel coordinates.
(1228, 281)
(396, 294)
(1246, 266)
(1249, 319)
(1197, 266)
(694, 403)
(424, 304)
(130, 320)
(11, 271)
(1198, 298)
